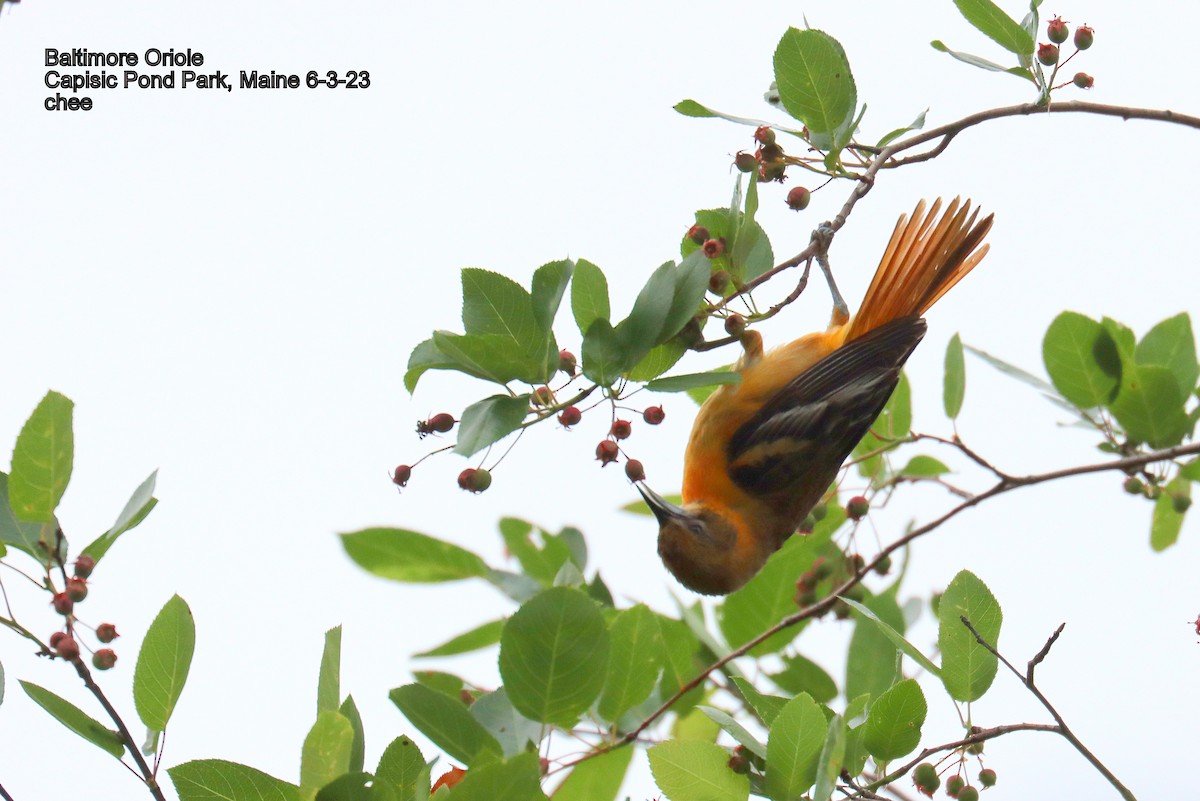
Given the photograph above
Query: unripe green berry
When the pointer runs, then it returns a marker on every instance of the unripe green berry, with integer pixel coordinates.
(1083, 37)
(1057, 30)
(987, 777)
(926, 778)
(1047, 54)
(1180, 503)
(745, 162)
(1134, 486)
(954, 785)
(968, 794)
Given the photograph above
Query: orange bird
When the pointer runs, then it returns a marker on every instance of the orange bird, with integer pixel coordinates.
(764, 451)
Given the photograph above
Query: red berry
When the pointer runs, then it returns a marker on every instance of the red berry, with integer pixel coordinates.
(77, 589)
(745, 162)
(798, 197)
(764, 135)
(475, 479)
(735, 324)
(106, 632)
(718, 282)
(633, 469)
(714, 247)
(62, 603)
(1047, 54)
(56, 638)
(698, 234)
(654, 415)
(441, 423)
(1083, 37)
(543, 396)
(1083, 80)
(67, 647)
(84, 566)
(104, 659)
(1057, 30)
(621, 429)
(567, 362)
(607, 452)
(401, 475)
(569, 416)
(857, 507)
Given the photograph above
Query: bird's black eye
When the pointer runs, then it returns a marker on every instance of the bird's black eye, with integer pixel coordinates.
(698, 528)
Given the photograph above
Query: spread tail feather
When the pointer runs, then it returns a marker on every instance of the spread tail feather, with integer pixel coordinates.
(923, 260)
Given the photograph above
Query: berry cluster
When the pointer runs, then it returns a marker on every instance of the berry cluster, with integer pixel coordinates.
(63, 642)
(1151, 489)
(771, 163)
(1048, 54)
(927, 781)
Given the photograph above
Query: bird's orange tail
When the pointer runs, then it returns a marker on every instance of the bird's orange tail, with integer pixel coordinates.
(923, 260)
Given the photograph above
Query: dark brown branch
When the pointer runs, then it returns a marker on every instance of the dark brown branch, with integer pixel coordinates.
(122, 730)
(1062, 727)
(1042, 654)
(4, 794)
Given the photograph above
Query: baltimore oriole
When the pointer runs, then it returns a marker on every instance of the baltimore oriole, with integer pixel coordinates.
(763, 451)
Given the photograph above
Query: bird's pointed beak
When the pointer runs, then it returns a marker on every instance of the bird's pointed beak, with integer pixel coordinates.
(663, 509)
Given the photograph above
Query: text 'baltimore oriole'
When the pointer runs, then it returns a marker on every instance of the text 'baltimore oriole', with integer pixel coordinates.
(763, 452)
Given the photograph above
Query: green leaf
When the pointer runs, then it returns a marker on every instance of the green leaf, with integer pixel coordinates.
(326, 752)
(996, 25)
(736, 730)
(635, 661)
(796, 737)
(693, 770)
(549, 284)
(541, 563)
(689, 381)
(329, 688)
(495, 304)
(922, 466)
(690, 108)
(75, 719)
(695, 725)
(1171, 344)
(401, 768)
(1166, 522)
(892, 136)
(895, 720)
(489, 420)
(802, 675)
(163, 663)
(1013, 371)
(218, 780)
(517, 586)
(446, 722)
(22, 534)
(426, 356)
(660, 359)
(444, 683)
(896, 637)
(404, 555)
(491, 357)
(967, 667)
(479, 637)
(1149, 406)
(814, 80)
(136, 508)
(893, 424)
(955, 384)
(1081, 359)
(554, 655)
(770, 596)
(765, 706)
(589, 295)
(680, 666)
(829, 764)
(515, 732)
(871, 664)
(691, 282)
(640, 331)
(598, 779)
(42, 460)
(358, 753)
(352, 786)
(518, 779)
(603, 353)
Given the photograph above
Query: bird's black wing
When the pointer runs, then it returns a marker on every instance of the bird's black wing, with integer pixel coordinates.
(806, 431)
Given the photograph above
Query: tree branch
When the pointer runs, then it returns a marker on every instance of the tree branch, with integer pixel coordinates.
(1062, 727)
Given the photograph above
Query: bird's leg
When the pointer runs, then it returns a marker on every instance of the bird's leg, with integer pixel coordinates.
(821, 238)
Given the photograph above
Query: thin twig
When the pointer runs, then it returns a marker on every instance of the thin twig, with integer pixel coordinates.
(1042, 654)
(122, 730)
(980, 736)
(1062, 727)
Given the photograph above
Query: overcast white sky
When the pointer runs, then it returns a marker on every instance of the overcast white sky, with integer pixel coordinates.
(228, 285)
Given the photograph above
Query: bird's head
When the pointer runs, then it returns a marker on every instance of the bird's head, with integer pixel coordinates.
(697, 545)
